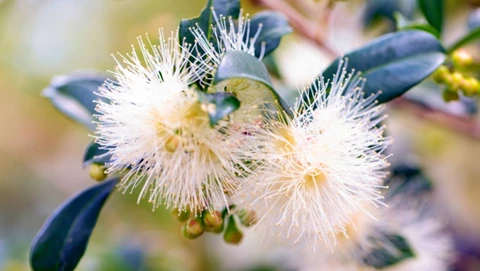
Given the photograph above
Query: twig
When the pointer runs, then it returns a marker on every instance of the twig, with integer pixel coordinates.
(302, 26)
(468, 126)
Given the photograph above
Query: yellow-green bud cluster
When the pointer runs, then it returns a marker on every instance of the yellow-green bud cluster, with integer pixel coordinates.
(214, 222)
(455, 79)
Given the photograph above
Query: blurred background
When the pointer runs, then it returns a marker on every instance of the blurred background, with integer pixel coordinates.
(41, 150)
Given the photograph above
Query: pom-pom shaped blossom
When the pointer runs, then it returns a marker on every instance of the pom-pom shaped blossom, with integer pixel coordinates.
(158, 133)
(321, 166)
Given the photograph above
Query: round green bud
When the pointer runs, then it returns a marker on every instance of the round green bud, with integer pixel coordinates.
(470, 86)
(179, 215)
(213, 221)
(441, 74)
(247, 217)
(97, 172)
(449, 95)
(193, 228)
(232, 234)
(462, 59)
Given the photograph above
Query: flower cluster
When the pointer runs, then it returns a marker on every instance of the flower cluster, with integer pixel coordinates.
(312, 174)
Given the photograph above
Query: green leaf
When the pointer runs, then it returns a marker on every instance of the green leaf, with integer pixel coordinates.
(388, 249)
(468, 38)
(394, 63)
(73, 95)
(404, 24)
(242, 65)
(219, 104)
(206, 20)
(433, 11)
(63, 239)
(407, 180)
(375, 9)
(274, 27)
(94, 154)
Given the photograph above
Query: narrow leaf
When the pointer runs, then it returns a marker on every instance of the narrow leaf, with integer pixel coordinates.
(73, 95)
(62, 240)
(472, 36)
(242, 65)
(433, 11)
(404, 24)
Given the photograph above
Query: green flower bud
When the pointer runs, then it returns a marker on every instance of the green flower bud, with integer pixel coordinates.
(213, 221)
(179, 215)
(232, 234)
(247, 218)
(97, 172)
(441, 74)
(462, 59)
(470, 86)
(193, 228)
(449, 95)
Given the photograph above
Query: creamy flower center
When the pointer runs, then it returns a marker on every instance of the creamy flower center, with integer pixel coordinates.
(314, 180)
(286, 140)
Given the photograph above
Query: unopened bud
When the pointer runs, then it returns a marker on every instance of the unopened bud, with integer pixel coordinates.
(213, 221)
(193, 228)
(470, 86)
(462, 59)
(247, 217)
(179, 215)
(232, 234)
(441, 74)
(455, 82)
(450, 95)
(171, 144)
(97, 172)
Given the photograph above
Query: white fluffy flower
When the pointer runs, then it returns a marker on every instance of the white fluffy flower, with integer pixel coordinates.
(322, 165)
(157, 131)
(232, 35)
(228, 35)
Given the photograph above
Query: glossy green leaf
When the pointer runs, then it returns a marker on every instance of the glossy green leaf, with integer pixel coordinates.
(94, 154)
(472, 36)
(219, 105)
(404, 24)
(394, 63)
(206, 20)
(63, 239)
(73, 95)
(242, 65)
(375, 9)
(388, 249)
(433, 11)
(273, 27)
